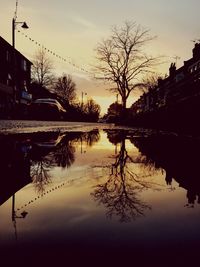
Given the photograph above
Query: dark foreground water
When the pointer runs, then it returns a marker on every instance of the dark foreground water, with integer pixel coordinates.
(99, 198)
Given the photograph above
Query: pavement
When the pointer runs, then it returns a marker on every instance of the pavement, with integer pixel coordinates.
(28, 126)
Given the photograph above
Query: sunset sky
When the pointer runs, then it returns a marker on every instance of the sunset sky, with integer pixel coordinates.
(72, 30)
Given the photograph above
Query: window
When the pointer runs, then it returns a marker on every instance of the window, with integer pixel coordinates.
(24, 85)
(9, 80)
(190, 70)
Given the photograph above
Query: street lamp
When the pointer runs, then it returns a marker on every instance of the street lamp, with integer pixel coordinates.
(14, 23)
(24, 26)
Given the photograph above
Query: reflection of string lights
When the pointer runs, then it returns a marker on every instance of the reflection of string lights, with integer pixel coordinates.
(44, 193)
(50, 191)
(69, 60)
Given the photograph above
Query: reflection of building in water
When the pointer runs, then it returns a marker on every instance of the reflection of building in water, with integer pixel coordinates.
(15, 171)
(14, 165)
(179, 157)
(168, 178)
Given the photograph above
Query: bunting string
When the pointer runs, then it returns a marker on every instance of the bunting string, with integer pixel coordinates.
(67, 60)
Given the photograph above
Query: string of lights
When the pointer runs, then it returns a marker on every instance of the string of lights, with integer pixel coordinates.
(67, 60)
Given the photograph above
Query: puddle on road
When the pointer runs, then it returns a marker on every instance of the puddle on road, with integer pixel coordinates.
(101, 186)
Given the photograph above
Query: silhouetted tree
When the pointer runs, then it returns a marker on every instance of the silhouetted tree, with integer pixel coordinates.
(92, 110)
(42, 69)
(114, 112)
(65, 87)
(122, 59)
(115, 108)
(151, 81)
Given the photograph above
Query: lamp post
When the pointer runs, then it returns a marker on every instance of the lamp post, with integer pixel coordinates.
(24, 26)
(14, 23)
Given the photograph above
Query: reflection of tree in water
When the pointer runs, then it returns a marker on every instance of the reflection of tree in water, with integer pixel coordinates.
(119, 196)
(90, 138)
(61, 155)
(40, 173)
(119, 193)
(65, 154)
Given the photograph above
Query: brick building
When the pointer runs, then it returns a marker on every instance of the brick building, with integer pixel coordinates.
(15, 77)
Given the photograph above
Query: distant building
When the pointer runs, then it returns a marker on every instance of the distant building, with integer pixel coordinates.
(181, 84)
(15, 77)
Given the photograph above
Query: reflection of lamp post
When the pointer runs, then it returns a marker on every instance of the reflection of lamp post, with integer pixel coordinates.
(14, 215)
(24, 26)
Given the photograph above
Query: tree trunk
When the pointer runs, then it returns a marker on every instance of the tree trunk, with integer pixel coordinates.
(123, 113)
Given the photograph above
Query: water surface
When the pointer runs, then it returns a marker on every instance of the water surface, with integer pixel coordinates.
(101, 194)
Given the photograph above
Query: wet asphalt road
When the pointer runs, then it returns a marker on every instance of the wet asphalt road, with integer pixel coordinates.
(28, 126)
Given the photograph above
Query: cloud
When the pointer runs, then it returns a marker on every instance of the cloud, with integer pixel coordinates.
(82, 22)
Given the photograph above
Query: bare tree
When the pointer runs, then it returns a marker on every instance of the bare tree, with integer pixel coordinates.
(122, 59)
(66, 88)
(42, 69)
(151, 81)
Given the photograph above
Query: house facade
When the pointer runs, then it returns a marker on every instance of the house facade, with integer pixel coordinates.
(180, 84)
(174, 103)
(15, 77)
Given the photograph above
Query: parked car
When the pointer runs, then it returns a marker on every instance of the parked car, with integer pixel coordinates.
(46, 108)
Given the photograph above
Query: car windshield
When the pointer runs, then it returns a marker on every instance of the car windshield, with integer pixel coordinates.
(50, 101)
(46, 101)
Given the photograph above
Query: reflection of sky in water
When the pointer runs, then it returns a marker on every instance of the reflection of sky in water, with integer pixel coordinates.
(75, 204)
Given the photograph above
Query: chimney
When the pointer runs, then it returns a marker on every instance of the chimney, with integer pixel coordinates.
(172, 70)
(196, 51)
